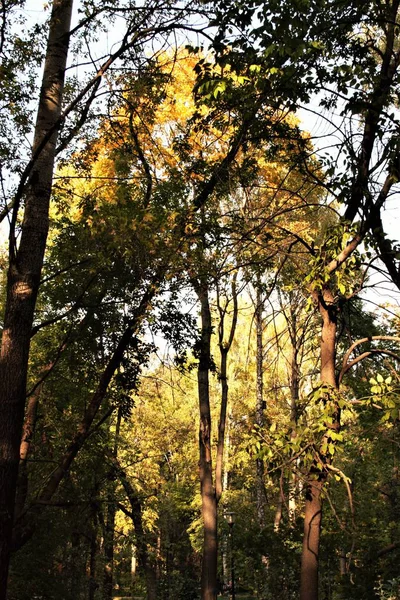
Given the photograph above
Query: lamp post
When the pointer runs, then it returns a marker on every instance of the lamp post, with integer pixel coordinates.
(231, 521)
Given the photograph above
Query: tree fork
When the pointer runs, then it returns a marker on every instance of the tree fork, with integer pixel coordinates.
(224, 347)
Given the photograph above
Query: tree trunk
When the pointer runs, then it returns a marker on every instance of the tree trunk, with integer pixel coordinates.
(314, 486)
(224, 347)
(94, 548)
(260, 490)
(108, 573)
(312, 531)
(296, 341)
(279, 508)
(24, 274)
(133, 571)
(208, 495)
(222, 423)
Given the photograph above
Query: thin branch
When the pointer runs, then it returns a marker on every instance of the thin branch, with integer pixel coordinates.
(391, 338)
(364, 355)
(143, 160)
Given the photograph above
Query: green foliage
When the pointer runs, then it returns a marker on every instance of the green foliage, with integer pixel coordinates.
(21, 53)
(388, 590)
(386, 393)
(346, 279)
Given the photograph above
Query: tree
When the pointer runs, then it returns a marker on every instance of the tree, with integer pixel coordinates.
(24, 273)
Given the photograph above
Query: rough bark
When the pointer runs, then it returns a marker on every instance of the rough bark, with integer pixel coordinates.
(24, 274)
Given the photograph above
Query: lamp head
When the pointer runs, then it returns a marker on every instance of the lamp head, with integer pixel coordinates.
(230, 517)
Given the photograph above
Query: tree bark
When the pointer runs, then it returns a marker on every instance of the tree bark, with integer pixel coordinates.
(317, 478)
(224, 347)
(24, 274)
(108, 572)
(208, 495)
(260, 490)
(311, 539)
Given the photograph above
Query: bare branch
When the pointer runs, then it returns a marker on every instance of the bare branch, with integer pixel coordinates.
(371, 338)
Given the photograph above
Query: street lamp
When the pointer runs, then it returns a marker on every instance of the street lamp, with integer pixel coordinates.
(230, 517)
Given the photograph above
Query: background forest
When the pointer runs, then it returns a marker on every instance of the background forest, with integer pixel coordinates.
(199, 386)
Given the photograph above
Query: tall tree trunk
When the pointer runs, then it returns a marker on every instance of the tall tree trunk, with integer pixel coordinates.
(314, 486)
(225, 486)
(296, 341)
(311, 539)
(224, 347)
(94, 549)
(208, 495)
(279, 506)
(108, 573)
(133, 570)
(260, 489)
(24, 274)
